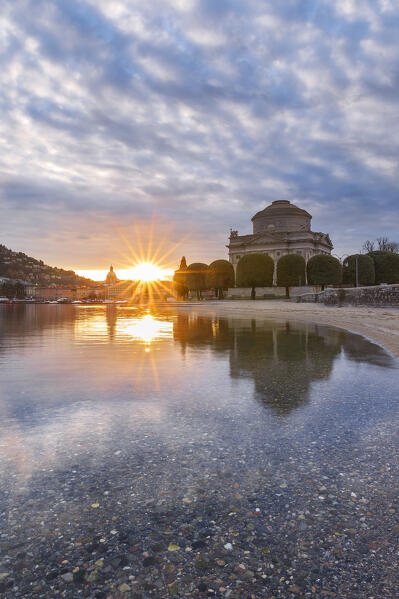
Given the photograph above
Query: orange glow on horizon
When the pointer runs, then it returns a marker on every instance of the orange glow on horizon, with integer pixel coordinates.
(144, 261)
(144, 271)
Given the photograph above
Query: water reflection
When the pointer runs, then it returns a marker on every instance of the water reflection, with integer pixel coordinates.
(283, 359)
(69, 374)
(223, 417)
(113, 323)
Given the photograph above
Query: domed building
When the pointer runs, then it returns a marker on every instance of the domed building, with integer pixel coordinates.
(281, 228)
(111, 278)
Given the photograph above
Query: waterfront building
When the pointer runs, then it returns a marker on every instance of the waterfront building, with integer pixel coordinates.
(281, 228)
(55, 292)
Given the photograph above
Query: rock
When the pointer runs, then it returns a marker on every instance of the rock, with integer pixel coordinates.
(79, 576)
(93, 576)
(148, 561)
(201, 563)
(124, 588)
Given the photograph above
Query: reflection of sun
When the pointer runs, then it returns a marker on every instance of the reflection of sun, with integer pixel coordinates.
(147, 328)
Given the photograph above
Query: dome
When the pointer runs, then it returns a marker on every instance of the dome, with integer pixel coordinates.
(111, 277)
(281, 216)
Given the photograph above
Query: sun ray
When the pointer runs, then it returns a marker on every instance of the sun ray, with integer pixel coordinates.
(150, 242)
(139, 242)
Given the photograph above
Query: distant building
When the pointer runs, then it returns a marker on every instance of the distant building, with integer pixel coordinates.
(281, 228)
(55, 292)
(111, 278)
(121, 290)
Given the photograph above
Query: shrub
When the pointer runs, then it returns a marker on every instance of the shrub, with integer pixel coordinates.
(220, 276)
(386, 266)
(366, 270)
(324, 269)
(291, 271)
(255, 270)
(195, 277)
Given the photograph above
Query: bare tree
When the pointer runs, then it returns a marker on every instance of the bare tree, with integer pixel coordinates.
(382, 244)
(385, 245)
(368, 246)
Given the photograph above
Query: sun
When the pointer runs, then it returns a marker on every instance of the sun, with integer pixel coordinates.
(146, 272)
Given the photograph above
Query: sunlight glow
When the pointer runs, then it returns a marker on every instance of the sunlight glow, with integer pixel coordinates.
(146, 272)
(147, 328)
(132, 273)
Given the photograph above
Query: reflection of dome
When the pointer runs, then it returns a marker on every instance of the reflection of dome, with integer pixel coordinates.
(282, 216)
(111, 277)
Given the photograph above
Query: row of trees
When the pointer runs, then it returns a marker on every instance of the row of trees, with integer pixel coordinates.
(257, 270)
(374, 268)
(198, 277)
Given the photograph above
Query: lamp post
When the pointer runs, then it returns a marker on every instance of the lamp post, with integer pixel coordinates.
(342, 258)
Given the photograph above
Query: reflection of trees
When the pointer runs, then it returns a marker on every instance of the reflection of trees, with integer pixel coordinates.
(282, 359)
(192, 330)
(356, 347)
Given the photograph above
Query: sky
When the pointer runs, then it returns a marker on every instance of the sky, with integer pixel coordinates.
(178, 119)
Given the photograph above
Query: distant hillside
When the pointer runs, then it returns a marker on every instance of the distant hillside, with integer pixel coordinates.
(17, 265)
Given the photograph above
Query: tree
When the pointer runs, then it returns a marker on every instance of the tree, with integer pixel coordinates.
(291, 271)
(368, 246)
(255, 270)
(366, 270)
(195, 277)
(179, 280)
(323, 270)
(384, 245)
(386, 266)
(220, 276)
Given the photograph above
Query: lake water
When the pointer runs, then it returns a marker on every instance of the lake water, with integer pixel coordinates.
(157, 454)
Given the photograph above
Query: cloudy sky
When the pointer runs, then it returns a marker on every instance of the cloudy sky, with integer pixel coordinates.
(194, 115)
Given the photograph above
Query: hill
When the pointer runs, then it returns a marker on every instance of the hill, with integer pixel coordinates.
(19, 266)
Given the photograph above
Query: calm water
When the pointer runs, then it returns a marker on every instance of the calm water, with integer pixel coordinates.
(266, 453)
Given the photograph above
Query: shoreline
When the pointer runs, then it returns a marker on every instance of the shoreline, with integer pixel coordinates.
(379, 325)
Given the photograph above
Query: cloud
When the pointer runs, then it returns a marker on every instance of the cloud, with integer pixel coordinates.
(200, 113)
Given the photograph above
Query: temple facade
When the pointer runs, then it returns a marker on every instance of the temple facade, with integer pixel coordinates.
(281, 228)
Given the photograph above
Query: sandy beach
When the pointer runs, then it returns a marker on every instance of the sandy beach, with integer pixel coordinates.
(378, 324)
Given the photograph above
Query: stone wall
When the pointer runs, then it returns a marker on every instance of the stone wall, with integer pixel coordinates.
(381, 295)
(239, 292)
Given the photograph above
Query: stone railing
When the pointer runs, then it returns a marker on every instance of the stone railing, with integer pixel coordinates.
(381, 295)
(244, 292)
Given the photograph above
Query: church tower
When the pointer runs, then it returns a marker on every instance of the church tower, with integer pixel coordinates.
(111, 278)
